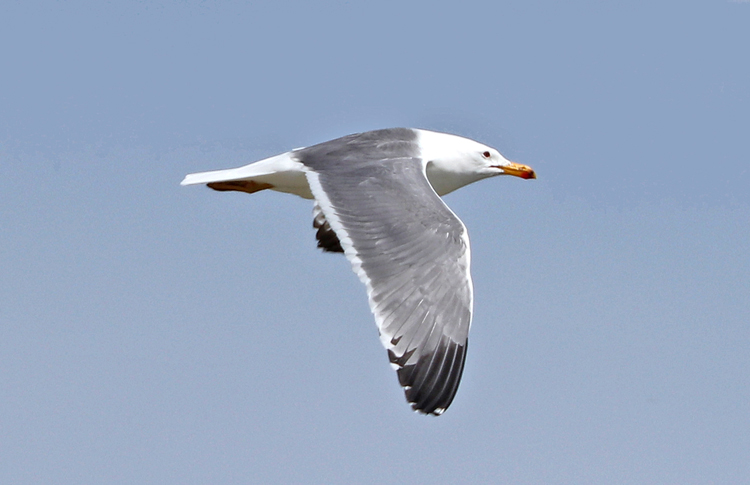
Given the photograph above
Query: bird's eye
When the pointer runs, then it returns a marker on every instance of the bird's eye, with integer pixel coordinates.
(486, 154)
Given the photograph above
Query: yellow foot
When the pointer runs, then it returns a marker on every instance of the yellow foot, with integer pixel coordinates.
(241, 186)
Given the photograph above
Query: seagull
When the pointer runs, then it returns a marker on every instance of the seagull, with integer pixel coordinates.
(377, 200)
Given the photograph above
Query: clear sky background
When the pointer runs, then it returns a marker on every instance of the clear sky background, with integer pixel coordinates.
(158, 334)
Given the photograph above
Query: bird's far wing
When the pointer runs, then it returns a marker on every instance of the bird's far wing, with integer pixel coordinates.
(412, 253)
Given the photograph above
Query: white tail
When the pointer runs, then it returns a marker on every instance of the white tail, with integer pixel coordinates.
(282, 173)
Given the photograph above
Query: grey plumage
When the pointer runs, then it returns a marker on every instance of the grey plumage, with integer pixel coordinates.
(377, 200)
(412, 251)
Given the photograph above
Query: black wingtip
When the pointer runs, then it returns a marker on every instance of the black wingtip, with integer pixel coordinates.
(430, 385)
(327, 238)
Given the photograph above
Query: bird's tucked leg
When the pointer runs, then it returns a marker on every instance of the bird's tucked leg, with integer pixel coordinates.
(248, 186)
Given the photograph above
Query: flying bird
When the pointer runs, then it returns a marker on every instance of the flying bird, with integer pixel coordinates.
(377, 200)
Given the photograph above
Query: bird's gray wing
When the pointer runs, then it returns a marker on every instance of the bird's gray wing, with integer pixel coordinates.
(413, 255)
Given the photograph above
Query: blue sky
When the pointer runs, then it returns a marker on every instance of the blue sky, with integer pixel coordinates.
(153, 333)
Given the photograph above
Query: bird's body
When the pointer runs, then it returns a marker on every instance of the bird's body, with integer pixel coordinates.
(377, 200)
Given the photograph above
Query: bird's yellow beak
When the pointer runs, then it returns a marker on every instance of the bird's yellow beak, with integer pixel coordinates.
(523, 171)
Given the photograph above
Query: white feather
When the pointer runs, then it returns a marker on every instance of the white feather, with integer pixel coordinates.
(283, 172)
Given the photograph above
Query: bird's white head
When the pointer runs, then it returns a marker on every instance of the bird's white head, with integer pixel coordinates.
(452, 161)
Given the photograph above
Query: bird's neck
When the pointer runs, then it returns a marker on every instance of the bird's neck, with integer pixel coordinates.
(445, 179)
